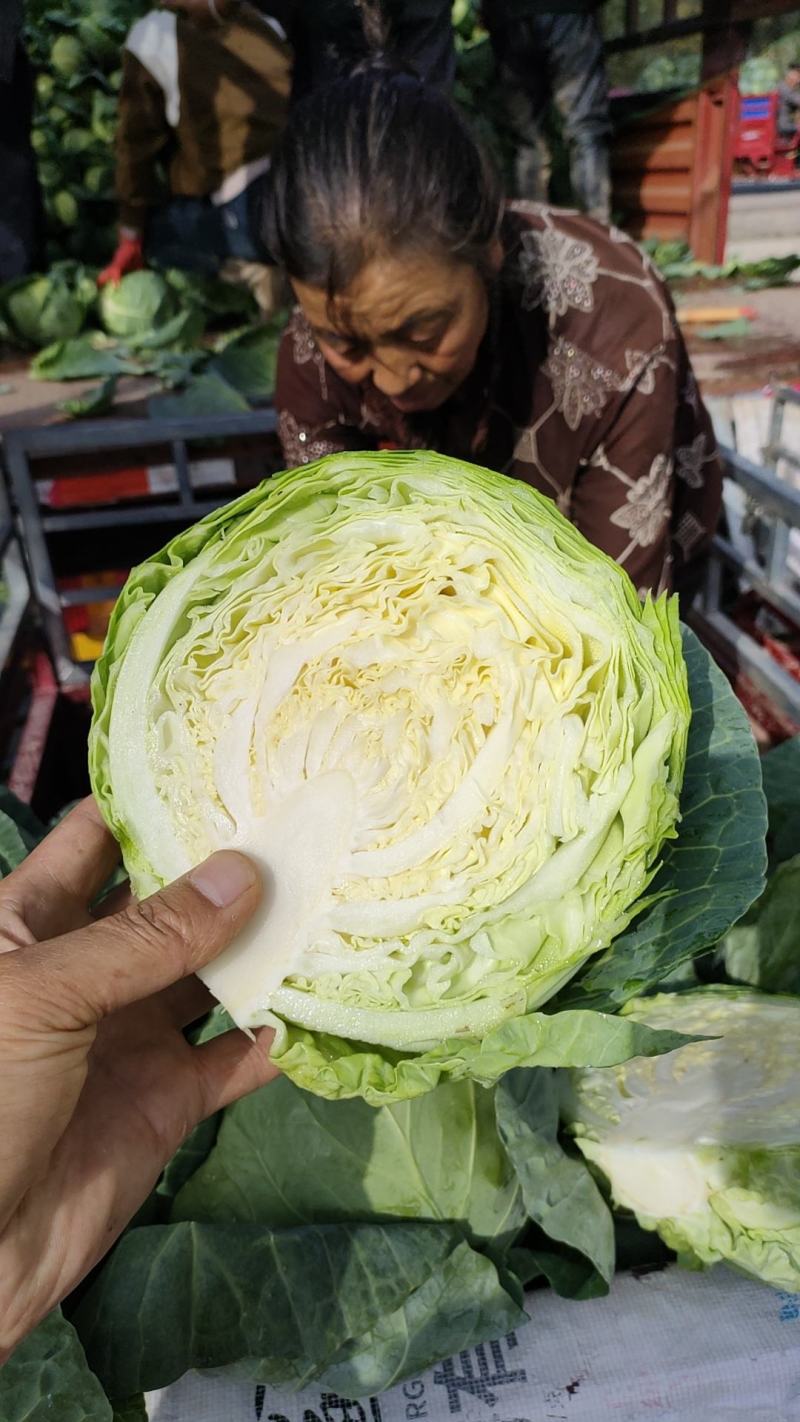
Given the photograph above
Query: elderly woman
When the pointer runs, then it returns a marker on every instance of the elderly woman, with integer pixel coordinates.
(530, 340)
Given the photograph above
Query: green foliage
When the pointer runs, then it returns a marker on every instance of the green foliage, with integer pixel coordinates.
(95, 402)
(48, 1378)
(141, 302)
(763, 948)
(76, 47)
(41, 309)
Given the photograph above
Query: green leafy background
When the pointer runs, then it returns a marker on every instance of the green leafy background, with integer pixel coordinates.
(297, 1239)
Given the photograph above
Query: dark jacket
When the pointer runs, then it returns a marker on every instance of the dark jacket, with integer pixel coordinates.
(10, 27)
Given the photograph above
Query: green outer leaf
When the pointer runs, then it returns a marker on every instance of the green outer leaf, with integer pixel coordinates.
(569, 1274)
(47, 1379)
(336, 1068)
(13, 848)
(713, 871)
(20, 831)
(97, 401)
(764, 947)
(249, 362)
(781, 771)
(181, 333)
(436, 1158)
(175, 1297)
(206, 394)
(79, 359)
(31, 827)
(560, 1194)
(461, 1304)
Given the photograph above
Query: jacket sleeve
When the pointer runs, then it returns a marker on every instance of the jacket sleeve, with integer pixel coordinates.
(143, 134)
(649, 495)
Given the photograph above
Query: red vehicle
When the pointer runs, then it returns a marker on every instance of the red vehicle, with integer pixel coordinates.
(759, 150)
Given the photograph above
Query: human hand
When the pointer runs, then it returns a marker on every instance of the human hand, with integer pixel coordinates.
(129, 257)
(99, 1085)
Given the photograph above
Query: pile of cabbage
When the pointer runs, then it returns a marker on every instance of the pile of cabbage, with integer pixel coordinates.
(535, 1009)
(75, 47)
(153, 323)
(193, 335)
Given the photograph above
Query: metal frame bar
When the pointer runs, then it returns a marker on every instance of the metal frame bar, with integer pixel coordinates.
(26, 446)
(771, 582)
(735, 13)
(15, 577)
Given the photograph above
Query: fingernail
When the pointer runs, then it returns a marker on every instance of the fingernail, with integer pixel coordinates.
(224, 878)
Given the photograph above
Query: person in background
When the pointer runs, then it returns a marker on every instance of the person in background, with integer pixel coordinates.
(788, 118)
(547, 54)
(529, 340)
(20, 208)
(328, 37)
(204, 96)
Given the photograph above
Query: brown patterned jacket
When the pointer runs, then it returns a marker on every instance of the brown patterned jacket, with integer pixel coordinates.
(582, 387)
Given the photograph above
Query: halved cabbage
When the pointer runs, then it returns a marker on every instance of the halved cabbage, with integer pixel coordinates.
(703, 1144)
(440, 720)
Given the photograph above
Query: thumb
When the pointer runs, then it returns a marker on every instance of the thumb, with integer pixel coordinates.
(151, 944)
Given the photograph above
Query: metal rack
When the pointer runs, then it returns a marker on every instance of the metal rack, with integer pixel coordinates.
(15, 580)
(24, 449)
(766, 573)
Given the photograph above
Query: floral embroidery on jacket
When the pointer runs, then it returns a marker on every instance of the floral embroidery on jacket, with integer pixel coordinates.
(298, 444)
(558, 271)
(689, 461)
(581, 385)
(646, 507)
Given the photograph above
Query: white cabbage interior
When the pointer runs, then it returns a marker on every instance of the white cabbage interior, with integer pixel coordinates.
(738, 1087)
(703, 1141)
(432, 741)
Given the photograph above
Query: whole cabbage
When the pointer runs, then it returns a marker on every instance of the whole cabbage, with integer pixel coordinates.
(442, 722)
(64, 205)
(142, 301)
(67, 56)
(42, 309)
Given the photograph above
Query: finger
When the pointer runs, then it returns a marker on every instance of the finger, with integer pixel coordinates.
(52, 888)
(232, 1065)
(148, 946)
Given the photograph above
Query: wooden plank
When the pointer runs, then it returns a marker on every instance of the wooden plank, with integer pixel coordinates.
(655, 194)
(664, 226)
(717, 113)
(668, 150)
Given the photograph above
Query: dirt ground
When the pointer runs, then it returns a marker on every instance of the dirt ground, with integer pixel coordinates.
(768, 355)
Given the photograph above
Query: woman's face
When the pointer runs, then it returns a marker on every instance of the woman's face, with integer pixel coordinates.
(411, 325)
